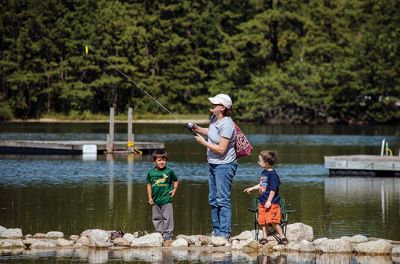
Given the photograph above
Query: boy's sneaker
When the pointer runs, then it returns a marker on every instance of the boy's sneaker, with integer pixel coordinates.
(284, 241)
(263, 241)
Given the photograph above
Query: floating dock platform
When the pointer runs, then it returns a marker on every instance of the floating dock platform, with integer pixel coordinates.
(69, 147)
(363, 165)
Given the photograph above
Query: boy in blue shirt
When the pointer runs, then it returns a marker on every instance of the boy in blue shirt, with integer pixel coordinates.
(269, 210)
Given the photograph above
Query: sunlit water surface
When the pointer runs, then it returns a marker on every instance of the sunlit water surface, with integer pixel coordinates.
(75, 193)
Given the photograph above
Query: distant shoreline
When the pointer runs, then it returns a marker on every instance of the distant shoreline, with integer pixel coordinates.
(137, 121)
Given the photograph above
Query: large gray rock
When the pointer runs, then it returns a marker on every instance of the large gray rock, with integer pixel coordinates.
(12, 233)
(378, 247)
(151, 240)
(299, 231)
(334, 246)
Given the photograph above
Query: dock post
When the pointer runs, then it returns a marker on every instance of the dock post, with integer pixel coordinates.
(131, 143)
(110, 136)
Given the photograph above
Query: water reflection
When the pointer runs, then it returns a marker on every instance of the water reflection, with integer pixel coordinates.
(363, 190)
(370, 205)
(179, 255)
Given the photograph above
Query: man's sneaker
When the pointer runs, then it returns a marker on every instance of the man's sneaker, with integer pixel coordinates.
(219, 241)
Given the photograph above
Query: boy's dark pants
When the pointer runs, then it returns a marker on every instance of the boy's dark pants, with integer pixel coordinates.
(163, 219)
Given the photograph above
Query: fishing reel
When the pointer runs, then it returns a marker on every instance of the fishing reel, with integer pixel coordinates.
(191, 127)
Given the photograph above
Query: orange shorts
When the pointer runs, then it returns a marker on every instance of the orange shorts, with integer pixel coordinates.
(270, 215)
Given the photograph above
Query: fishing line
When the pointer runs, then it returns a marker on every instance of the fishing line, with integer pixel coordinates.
(133, 82)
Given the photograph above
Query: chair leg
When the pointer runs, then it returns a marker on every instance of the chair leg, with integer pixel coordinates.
(256, 228)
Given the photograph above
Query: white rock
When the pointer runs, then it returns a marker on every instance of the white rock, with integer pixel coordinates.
(74, 237)
(236, 244)
(299, 231)
(121, 242)
(42, 244)
(396, 249)
(11, 243)
(151, 240)
(302, 246)
(190, 239)
(253, 233)
(244, 235)
(334, 246)
(319, 240)
(129, 237)
(374, 247)
(54, 234)
(39, 235)
(99, 238)
(61, 242)
(12, 233)
(83, 242)
(2, 228)
(180, 242)
(359, 239)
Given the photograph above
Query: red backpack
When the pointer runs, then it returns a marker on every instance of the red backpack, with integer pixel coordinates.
(243, 147)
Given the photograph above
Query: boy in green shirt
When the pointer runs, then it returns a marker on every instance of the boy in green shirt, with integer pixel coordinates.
(161, 187)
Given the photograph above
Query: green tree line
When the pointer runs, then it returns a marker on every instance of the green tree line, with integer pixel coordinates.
(281, 61)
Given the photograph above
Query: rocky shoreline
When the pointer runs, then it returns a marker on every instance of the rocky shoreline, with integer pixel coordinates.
(300, 236)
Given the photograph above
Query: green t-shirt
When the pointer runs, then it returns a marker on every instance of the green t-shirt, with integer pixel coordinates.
(161, 184)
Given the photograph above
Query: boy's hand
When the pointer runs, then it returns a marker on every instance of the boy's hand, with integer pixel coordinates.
(267, 204)
(151, 201)
(172, 193)
(248, 190)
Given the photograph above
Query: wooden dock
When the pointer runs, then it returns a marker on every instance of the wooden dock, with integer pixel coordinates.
(69, 147)
(363, 165)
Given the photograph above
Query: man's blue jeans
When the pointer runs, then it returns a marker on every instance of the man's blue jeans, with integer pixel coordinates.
(219, 197)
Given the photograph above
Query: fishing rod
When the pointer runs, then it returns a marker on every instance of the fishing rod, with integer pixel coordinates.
(134, 83)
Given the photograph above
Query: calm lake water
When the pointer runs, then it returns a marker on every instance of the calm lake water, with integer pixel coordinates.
(74, 193)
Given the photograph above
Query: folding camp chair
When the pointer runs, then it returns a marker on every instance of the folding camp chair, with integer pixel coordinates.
(271, 231)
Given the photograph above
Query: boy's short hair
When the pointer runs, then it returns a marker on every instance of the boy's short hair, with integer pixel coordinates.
(160, 153)
(269, 156)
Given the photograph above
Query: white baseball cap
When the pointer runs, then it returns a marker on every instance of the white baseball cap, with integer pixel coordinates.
(223, 99)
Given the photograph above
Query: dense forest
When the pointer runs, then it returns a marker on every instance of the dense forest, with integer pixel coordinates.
(282, 61)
